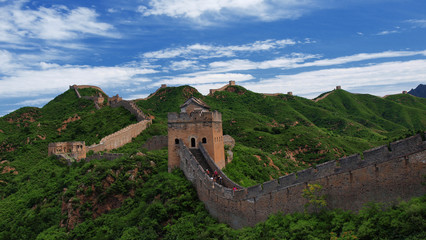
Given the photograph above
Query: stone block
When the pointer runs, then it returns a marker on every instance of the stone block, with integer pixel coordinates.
(324, 169)
(375, 155)
(287, 180)
(254, 191)
(406, 146)
(269, 186)
(304, 175)
(350, 163)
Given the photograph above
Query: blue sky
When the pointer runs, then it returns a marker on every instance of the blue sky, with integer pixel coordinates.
(269, 46)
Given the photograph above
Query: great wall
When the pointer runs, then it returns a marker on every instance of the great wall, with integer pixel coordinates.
(384, 174)
(117, 139)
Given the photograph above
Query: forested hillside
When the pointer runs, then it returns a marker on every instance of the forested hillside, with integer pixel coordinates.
(277, 135)
(134, 197)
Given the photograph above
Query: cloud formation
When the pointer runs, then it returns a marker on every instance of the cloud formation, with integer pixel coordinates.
(207, 12)
(311, 83)
(418, 22)
(18, 24)
(53, 78)
(206, 51)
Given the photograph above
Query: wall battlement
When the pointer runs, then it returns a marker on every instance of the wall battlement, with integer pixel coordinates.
(121, 137)
(76, 150)
(130, 106)
(212, 91)
(382, 175)
(184, 117)
(76, 87)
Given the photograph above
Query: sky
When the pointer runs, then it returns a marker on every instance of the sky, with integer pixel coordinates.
(131, 47)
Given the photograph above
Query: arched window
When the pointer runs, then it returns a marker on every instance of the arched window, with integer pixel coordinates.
(176, 141)
(204, 140)
(193, 142)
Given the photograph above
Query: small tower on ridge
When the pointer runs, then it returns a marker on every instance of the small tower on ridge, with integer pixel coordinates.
(195, 125)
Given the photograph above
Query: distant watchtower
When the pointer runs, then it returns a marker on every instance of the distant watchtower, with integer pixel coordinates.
(195, 124)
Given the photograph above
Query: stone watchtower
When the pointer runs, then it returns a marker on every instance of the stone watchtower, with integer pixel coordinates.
(195, 125)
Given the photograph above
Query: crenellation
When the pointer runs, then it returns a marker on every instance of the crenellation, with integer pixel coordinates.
(349, 163)
(324, 169)
(76, 149)
(269, 186)
(407, 145)
(287, 180)
(238, 194)
(304, 175)
(254, 191)
(348, 185)
(184, 117)
(376, 154)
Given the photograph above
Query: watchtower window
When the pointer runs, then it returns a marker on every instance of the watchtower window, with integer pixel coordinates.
(204, 140)
(193, 142)
(176, 141)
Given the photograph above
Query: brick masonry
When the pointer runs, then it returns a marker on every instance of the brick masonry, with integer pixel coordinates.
(121, 137)
(112, 141)
(382, 175)
(156, 143)
(192, 129)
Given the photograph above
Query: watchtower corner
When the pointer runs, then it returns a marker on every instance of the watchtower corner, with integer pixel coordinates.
(194, 125)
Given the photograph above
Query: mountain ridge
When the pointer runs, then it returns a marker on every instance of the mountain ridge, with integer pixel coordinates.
(275, 136)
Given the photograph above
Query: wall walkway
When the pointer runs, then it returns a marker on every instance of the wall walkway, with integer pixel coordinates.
(121, 137)
(382, 175)
(132, 108)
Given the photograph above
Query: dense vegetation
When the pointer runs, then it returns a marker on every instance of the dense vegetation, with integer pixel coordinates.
(42, 198)
(277, 135)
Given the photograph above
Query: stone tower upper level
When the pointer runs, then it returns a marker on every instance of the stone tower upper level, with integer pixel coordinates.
(195, 125)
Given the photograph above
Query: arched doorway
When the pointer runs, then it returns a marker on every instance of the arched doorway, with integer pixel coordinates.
(193, 142)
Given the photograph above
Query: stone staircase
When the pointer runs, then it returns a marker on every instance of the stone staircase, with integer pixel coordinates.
(200, 158)
(132, 108)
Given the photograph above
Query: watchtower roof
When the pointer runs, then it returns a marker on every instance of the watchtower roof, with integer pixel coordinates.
(195, 101)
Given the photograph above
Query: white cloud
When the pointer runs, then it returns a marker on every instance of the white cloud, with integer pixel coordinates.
(54, 78)
(362, 57)
(298, 60)
(203, 51)
(205, 11)
(185, 64)
(286, 62)
(57, 23)
(196, 79)
(418, 22)
(309, 84)
(7, 62)
(387, 32)
(34, 102)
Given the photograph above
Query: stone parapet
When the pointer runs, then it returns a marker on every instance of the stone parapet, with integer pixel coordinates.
(382, 175)
(194, 117)
(156, 143)
(120, 137)
(131, 107)
(227, 182)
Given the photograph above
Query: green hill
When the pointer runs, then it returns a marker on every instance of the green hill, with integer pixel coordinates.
(135, 198)
(277, 135)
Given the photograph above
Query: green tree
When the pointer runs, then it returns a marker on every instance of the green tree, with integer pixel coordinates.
(313, 193)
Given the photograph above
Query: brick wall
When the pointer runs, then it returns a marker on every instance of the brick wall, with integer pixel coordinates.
(156, 143)
(384, 175)
(132, 108)
(121, 137)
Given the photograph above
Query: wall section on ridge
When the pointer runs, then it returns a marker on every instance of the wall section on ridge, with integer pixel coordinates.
(384, 175)
(120, 137)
